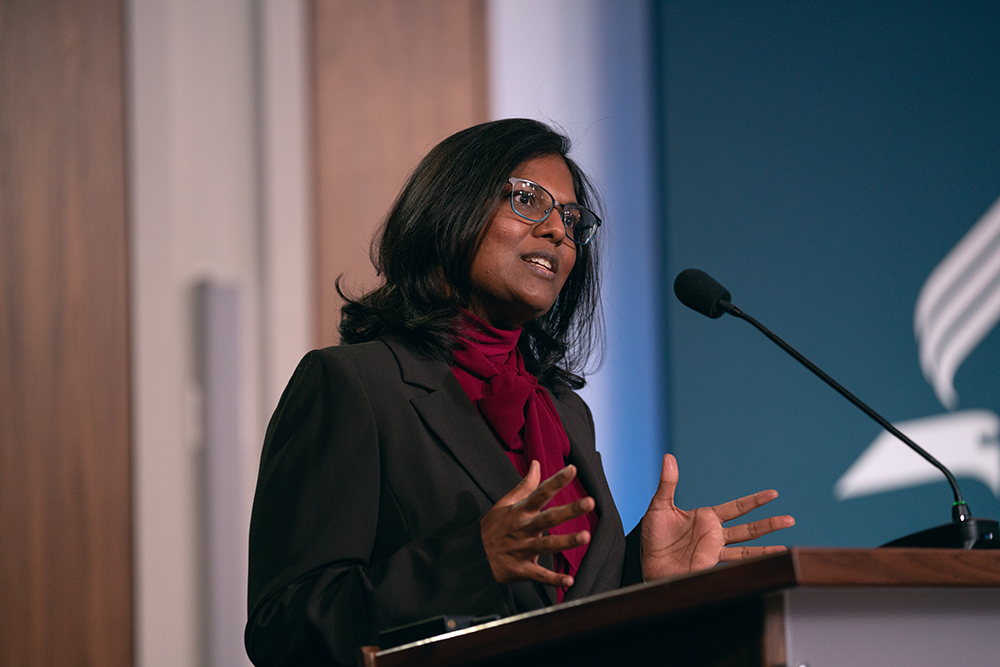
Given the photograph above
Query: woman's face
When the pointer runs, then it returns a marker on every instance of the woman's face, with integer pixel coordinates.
(521, 266)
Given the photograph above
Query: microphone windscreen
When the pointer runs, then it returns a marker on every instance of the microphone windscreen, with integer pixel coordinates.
(699, 291)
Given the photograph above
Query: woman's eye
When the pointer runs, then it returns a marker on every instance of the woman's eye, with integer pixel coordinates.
(526, 199)
(571, 218)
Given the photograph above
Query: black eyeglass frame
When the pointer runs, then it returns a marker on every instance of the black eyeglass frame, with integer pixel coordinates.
(555, 204)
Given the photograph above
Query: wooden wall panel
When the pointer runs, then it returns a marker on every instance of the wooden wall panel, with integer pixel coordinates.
(65, 531)
(390, 79)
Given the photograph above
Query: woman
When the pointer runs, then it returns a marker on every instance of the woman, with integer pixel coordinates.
(402, 472)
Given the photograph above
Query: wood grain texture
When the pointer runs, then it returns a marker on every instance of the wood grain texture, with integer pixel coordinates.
(65, 521)
(896, 567)
(391, 78)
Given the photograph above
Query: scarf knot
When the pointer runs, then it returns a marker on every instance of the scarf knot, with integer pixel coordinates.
(506, 402)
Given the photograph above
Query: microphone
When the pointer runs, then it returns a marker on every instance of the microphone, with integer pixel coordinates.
(699, 291)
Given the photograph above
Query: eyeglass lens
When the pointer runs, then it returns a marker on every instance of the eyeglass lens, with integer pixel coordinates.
(534, 203)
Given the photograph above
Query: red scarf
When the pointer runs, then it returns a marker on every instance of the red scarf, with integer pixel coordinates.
(490, 369)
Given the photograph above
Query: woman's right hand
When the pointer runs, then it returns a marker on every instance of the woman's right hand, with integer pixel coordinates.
(515, 529)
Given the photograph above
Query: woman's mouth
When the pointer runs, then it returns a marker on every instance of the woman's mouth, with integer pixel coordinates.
(545, 260)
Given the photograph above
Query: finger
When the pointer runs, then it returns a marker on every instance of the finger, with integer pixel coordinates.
(535, 572)
(731, 554)
(528, 551)
(754, 529)
(551, 544)
(547, 490)
(737, 508)
(556, 515)
(669, 474)
(524, 488)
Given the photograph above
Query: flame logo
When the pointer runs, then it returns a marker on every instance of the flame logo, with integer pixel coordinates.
(958, 306)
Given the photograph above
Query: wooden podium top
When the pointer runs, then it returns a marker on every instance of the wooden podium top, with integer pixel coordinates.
(864, 568)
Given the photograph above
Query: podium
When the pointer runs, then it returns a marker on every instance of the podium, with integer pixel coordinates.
(816, 607)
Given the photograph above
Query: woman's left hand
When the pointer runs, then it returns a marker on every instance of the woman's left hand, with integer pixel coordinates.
(675, 541)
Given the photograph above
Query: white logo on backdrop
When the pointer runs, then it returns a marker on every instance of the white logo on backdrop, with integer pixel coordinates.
(957, 307)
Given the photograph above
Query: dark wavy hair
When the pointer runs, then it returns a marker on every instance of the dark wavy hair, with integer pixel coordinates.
(424, 248)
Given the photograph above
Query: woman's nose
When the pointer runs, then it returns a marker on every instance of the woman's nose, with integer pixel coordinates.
(552, 227)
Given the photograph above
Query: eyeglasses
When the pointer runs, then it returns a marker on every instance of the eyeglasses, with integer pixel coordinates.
(534, 203)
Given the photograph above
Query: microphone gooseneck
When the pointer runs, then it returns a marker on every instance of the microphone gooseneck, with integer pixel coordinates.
(699, 291)
(960, 506)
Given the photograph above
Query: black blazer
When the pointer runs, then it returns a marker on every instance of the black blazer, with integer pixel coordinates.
(375, 471)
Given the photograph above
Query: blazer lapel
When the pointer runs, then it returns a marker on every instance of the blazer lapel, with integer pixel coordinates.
(450, 414)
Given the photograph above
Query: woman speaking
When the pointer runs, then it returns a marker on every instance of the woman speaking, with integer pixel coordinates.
(438, 460)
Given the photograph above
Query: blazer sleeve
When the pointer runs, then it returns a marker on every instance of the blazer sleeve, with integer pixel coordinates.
(320, 584)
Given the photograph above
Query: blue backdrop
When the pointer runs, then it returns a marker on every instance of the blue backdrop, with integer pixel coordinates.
(819, 159)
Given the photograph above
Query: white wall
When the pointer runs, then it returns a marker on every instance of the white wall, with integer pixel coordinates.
(217, 186)
(585, 67)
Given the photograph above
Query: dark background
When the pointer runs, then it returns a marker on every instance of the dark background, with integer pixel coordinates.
(820, 159)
